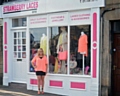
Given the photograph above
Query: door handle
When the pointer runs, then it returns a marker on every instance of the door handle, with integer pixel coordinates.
(114, 67)
(114, 49)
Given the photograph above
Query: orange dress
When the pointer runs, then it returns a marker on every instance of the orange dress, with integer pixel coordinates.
(82, 44)
(40, 63)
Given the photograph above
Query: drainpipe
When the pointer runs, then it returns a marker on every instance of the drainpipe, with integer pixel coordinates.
(101, 43)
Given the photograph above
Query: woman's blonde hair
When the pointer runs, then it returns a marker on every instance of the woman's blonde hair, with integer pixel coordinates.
(41, 50)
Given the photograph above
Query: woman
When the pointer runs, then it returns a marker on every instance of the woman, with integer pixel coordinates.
(39, 63)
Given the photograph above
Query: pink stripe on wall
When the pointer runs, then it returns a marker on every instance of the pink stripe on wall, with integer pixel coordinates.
(55, 83)
(5, 32)
(5, 61)
(33, 81)
(78, 85)
(94, 40)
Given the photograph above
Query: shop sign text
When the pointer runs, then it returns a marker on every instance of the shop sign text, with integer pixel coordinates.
(20, 7)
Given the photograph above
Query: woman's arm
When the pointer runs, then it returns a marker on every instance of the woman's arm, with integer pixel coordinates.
(34, 66)
(33, 62)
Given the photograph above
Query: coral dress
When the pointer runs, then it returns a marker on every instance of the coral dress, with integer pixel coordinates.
(82, 44)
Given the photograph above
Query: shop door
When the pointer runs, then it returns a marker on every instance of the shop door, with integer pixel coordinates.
(19, 68)
(116, 65)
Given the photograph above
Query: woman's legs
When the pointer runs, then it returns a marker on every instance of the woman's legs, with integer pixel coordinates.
(38, 79)
(43, 83)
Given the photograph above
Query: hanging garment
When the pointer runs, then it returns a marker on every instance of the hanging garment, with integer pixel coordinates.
(82, 44)
(62, 41)
(43, 45)
(56, 66)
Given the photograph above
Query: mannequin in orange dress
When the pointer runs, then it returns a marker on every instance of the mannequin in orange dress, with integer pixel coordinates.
(82, 44)
(83, 47)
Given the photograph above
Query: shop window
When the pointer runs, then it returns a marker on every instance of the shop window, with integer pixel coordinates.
(38, 39)
(19, 22)
(58, 43)
(19, 47)
(80, 41)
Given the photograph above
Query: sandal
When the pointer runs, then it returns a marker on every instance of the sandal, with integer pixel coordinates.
(42, 91)
(39, 91)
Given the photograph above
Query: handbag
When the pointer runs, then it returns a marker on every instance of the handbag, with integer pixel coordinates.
(62, 55)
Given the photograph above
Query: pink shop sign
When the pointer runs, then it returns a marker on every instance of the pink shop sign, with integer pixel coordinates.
(36, 21)
(20, 7)
(58, 18)
(80, 17)
(83, 16)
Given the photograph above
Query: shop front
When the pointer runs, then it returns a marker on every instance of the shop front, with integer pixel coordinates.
(69, 36)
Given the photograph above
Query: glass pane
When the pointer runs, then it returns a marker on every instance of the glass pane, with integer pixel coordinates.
(15, 35)
(23, 41)
(117, 26)
(36, 35)
(18, 22)
(19, 54)
(15, 48)
(19, 41)
(80, 50)
(23, 34)
(19, 48)
(58, 43)
(19, 34)
(23, 48)
(15, 41)
(23, 54)
(15, 54)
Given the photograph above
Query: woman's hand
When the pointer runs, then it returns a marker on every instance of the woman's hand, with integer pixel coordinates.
(35, 66)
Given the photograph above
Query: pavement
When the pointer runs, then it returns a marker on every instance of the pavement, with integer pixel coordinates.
(20, 91)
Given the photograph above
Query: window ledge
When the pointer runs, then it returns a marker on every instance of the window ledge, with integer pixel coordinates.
(18, 28)
(63, 75)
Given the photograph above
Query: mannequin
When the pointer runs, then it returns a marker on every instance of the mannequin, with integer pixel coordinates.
(82, 48)
(62, 43)
(82, 44)
(43, 43)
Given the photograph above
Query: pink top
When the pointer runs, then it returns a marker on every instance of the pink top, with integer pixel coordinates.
(40, 63)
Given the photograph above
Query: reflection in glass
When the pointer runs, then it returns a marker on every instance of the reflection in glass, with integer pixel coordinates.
(15, 35)
(19, 22)
(19, 34)
(80, 50)
(15, 41)
(23, 54)
(19, 41)
(58, 49)
(19, 54)
(15, 54)
(19, 48)
(23, 34)
(15, 48)
(23, 41)
(23, 48)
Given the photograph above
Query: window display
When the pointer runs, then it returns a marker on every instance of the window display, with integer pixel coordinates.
(38, 39)
(58, 43)
(80, 40)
